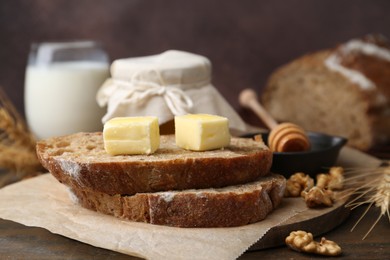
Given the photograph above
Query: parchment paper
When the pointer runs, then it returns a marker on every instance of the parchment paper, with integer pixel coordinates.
(44, 202)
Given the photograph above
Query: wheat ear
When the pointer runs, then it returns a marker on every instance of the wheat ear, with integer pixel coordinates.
(17, 144)
(375, 192)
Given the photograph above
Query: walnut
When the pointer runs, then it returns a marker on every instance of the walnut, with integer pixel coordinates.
(302, 241)
(297, 183)
(322, 180)
(317, 196)
(334, 180)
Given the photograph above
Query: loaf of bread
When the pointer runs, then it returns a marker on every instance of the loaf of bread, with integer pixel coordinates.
(343, 91)
(224, 207)
(81, 159)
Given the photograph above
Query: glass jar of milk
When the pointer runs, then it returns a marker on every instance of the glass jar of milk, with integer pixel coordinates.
(61, 83)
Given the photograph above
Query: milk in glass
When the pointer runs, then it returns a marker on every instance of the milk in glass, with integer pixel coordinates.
(60, 97)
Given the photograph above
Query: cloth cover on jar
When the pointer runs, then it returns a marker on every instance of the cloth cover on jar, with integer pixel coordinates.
(164, 85)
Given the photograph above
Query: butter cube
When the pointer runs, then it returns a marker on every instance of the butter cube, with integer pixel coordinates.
(201, 132)
(131, 135)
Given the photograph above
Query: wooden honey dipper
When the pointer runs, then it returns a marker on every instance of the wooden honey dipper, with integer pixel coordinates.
(284, 137)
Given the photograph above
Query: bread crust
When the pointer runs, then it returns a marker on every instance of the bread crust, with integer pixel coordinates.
(80, 160)
(224, 207)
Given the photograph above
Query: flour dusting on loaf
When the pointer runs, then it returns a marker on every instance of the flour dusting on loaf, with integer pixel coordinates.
(69, 167)
(333, 62)
(167, 196)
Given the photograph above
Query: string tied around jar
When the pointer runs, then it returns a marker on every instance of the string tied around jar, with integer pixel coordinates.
(138, 91)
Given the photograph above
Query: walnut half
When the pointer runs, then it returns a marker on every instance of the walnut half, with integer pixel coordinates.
(333, 180)
(297, 183)
(302, 241)
(317, 196)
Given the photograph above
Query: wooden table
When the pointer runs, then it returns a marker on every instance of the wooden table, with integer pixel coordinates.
(21, 242)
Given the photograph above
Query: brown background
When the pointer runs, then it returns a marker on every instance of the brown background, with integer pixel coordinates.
(245, 40)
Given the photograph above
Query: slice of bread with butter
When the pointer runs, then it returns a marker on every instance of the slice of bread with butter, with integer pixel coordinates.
(80, 158)
(192, 179)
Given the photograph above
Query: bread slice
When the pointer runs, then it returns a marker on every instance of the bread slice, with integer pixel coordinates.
(223, 207)
(310, 93)
(80, 159)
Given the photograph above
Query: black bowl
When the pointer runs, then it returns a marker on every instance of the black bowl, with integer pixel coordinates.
(322, 155)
